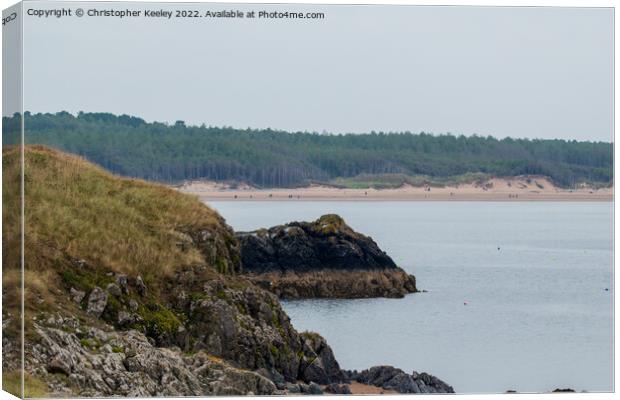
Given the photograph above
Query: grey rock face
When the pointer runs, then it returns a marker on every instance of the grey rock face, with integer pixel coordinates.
(293, 388)
(97, 300)
(140, 286)
(77, 295)
(314, 388)
(247, 325)
(114, 290)
(126, 364)
(123, 283)
(318, 363)
(321, 259)
(306, 246)
(125, 318)
(335, 388)
(133, 305)
(390, 378)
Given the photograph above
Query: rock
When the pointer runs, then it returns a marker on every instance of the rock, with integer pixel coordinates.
(140, 369)
(390, 378)
(97, 300)
(304, 246)
(201, 327)
(324, 258)
(238, 382)
(133, 305)
(293, 388)
(432, 383)
(314, 388)
(125, 318)
(140, 286)
(335, 388)
(244, 324)
(402, 383)
(77, 295)
(59, 364)
(123, 283)
(319, 364)
(114, 290)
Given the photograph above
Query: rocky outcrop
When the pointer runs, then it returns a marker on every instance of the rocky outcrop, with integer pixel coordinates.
(393, 283)
(199, 309)
(390, 378)
(233, 319)
(200, 333)
(97, 301)
(87, 361)
(151, 301)
(324, 258)
(335, 388)
(309, 246)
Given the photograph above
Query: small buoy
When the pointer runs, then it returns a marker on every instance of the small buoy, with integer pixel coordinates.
(497, 248)
(606, 289)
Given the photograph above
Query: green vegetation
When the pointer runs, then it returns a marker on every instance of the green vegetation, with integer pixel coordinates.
(33, 387)
(393, 181)
(266, 158)
(311, 335)
(77, 211)
(330, 224)
(159, 322)
(118, 349)
(91, 344)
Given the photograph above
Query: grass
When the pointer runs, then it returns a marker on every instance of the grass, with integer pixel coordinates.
(158, 322)
(33, 387)
(75, 210)
(394, 181)
(215, 359)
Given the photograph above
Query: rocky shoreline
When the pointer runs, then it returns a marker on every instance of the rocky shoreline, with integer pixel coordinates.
(390, 378)
(187, 322)
(73, 359)
(212, 335)
(321, 259)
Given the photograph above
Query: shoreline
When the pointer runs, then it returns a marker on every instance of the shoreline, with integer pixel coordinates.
(495, 189)
(329, 194)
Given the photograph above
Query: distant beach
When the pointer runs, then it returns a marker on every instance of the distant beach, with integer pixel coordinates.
(517, 189)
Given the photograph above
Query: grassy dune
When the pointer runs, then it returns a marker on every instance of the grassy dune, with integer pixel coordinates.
(75, 210)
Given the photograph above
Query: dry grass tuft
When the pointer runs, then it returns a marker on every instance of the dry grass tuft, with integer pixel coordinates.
(33, 387)
(75, 210)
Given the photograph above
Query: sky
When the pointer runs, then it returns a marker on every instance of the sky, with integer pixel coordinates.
(521, 72)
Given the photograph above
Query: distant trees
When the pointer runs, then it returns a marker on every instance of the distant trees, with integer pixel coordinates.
(169, 153)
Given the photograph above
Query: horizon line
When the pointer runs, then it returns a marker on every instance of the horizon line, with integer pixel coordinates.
(203, 125)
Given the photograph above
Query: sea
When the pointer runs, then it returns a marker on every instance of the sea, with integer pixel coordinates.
(517, 295)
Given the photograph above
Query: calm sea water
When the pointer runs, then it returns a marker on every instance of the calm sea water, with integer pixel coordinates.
(533, 275)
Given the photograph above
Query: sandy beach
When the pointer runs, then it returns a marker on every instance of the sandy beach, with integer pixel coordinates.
(517, 189)
(360, 388)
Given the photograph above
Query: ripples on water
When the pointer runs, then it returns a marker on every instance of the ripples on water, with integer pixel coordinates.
(537, 317)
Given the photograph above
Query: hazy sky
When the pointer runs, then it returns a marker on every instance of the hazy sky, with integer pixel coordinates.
(520, 72)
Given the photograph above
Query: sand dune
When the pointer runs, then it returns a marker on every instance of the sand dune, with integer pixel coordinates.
(496, 189)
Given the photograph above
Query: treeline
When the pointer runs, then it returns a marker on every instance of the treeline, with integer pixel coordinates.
(171, 153)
